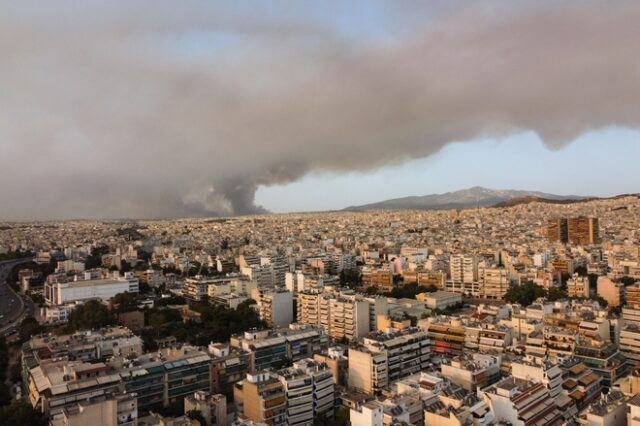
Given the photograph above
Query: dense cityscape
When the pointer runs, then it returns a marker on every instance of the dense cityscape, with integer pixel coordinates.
(522, 315)
(319, 213)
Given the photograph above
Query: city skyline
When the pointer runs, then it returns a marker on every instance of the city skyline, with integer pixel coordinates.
(189, 110)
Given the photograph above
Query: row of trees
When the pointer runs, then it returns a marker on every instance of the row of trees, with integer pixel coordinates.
(11, 255)
(216, 323)
(526, 293)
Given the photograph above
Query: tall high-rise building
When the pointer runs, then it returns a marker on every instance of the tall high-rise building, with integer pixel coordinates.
(557, 230)
(583, 230)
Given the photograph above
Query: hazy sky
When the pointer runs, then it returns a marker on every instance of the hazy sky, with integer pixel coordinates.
(157, 108)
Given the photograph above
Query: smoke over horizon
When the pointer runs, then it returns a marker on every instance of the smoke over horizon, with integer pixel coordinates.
(170, 109)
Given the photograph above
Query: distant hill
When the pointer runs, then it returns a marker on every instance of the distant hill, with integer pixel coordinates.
(468, 198)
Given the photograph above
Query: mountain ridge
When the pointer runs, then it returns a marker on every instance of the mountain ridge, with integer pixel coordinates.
(476, 196)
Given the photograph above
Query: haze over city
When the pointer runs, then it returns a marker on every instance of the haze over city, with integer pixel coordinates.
(319, 213)
(154, 109)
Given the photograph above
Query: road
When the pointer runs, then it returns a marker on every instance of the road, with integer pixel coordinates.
(13, 307)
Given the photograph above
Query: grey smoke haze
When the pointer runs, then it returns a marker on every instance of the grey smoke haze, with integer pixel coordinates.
(159, 109)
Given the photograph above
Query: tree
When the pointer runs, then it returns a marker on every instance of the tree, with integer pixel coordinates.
(556, 294)
(408, 291)
(94, 260)
(29, 327)
(581, 270)
(90, 315)
(627, 281)
(125, 302)
(125, 266)
(524, 294)
(350, 278)
(21, 414)
(144, 288)
(37, 298)
(371, 290)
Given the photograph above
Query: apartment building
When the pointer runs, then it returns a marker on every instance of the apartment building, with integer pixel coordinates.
(383, 358)
(580, 383)
(463, 268)
(630, 342)
(271, 348)
(632, 294)
(612, 292)
(348, 318)
(381, 278)
(164, 377)
(86, 346)
(609, 410)
(439, 299)
(369, 413)
(309, 390)
(487, 337)
(631, 314)
(522, 403)
(55, 385)
(261, 398)
(105, 410)
(494, 282)
(472, 371)
(213, 408)
(550, 374)
(578, 286)
(378, 305)
(447, 338)
(557, 230)
(583, 230)
(471, 289)
(228, 365)
(276, 308)
(230, 285)
(345, 316)
(335, 359)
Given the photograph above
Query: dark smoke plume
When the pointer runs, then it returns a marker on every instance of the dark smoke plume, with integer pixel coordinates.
(159, 108)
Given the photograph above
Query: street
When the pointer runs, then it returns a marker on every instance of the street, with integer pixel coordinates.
(12, 305)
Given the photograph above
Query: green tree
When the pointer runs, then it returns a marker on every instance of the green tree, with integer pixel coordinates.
(525, 294)
(90, 315)
(556, 294)
(29, 327)
(125, 302)
(20, 414)
(350, 278)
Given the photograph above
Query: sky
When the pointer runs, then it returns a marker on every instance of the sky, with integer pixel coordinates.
(601, 164)
(166, 108)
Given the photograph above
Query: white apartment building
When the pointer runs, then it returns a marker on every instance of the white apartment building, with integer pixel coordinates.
(463, 268)
(276, 308)
(348, 318)
(343, 317)
(494, 282)
(309, 390)
(578, 286)
(543, 372)
(630, 342)
(367, 414)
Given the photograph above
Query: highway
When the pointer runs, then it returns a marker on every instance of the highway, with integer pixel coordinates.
(13, 308)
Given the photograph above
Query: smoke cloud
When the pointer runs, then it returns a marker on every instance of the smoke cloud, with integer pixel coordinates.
(165, 109)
